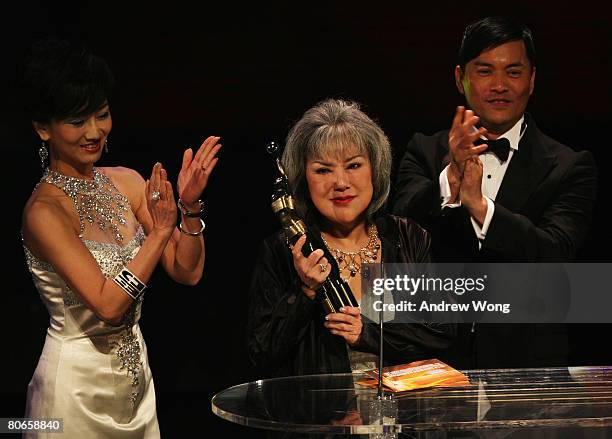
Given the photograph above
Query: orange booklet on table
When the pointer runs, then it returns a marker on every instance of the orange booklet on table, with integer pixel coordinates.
(417, 375)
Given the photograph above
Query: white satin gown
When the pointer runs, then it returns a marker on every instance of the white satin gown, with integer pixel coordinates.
(93, 375)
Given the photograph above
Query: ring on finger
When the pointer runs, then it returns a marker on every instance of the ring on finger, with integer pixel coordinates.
(155, 195)
(323, 268)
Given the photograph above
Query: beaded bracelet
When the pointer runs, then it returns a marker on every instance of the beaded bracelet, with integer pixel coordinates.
(130, 283)
(192, 233)
(188, 213)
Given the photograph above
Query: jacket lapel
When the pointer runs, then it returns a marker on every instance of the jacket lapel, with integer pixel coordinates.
(528, 167)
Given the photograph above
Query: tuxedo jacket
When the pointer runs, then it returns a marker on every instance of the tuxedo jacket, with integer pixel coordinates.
(542, 212)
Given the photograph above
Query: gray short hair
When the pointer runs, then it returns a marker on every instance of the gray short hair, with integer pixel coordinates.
(329, 128)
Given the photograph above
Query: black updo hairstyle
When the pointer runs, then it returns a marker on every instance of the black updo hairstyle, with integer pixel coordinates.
(62, 79)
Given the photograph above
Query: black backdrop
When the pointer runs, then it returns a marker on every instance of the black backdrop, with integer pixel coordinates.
(246, 73)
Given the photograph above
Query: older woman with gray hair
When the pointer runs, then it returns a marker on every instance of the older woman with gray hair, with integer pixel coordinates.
(338, 163)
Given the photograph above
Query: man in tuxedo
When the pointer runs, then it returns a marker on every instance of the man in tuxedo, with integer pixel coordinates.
(494, 188)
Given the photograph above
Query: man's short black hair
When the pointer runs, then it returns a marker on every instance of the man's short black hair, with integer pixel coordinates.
(490, 32)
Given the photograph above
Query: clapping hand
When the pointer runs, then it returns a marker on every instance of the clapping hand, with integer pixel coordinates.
(196, 170)
(461, 138)
(471, 189)
(160, 201)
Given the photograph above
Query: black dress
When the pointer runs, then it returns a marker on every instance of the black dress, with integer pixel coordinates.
(285, 332)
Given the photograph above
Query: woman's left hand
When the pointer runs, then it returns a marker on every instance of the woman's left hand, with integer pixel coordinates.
(196, 169)
(346, 323)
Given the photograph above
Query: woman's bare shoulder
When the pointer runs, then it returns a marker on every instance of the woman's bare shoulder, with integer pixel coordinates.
(47, 209)
(46, 199)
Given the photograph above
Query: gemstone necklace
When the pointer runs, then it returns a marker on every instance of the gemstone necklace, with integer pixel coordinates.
(97, 201)
(351, 261)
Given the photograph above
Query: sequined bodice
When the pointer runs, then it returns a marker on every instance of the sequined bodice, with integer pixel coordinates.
(73, 322)
(79, 344)
(104, 216)
(70, 317)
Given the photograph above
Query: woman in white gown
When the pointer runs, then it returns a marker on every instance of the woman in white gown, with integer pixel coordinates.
(92, 238)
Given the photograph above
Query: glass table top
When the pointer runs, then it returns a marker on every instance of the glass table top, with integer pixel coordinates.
(496, 398)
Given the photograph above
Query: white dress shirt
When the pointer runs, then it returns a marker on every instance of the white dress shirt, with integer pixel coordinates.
(492, 176)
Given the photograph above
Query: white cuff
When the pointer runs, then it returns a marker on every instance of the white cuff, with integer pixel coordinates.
(481, 232)
(445, 192)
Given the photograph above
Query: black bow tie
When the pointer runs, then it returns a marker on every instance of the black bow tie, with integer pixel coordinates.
(499, 147)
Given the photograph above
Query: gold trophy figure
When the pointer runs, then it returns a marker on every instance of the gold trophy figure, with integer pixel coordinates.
(334, 293)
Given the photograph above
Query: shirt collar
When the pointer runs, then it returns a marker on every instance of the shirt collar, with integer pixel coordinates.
(515, 133)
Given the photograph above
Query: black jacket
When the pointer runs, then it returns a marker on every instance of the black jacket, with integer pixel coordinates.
(542, 213)
(542, 210)
(286, 335)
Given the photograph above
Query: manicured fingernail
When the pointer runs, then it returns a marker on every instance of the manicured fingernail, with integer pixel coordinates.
(327, 317)
(342, 309)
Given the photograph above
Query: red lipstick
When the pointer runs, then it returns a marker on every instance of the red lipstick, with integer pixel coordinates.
(343, 200)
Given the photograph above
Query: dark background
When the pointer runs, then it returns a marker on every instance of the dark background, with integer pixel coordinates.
(246, 73)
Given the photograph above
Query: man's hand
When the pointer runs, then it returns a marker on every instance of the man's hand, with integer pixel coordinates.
(461, 138)
(471, 189)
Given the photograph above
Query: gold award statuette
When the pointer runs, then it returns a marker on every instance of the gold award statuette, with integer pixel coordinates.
(334, 293)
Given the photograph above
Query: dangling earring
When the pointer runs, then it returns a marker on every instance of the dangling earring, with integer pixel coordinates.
(43, 153)
(106, 146)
